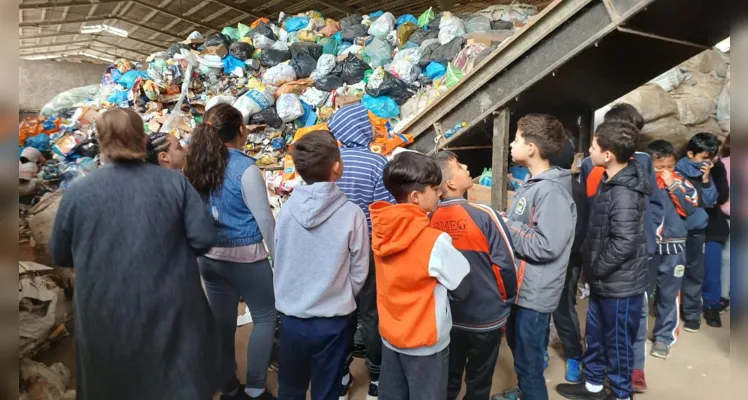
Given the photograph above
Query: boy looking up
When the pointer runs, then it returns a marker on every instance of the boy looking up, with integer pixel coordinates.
(541, 222)
(671, 242)
(480, 234)
(416, 267)
(615, 265)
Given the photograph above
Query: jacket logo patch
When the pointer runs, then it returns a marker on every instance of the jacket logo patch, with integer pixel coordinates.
(679, 271)
(451, 226)
(521, 205)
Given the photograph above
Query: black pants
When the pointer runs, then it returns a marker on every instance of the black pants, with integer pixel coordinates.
(693, 278)
(476, 354)
(565, 317)
(367, 312)
(407, 377)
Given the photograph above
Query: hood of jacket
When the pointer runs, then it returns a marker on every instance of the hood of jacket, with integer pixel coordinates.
(395, 226)
(352, 127)
(632, 177)
(691, 169)
(557, 175)
(315, 203)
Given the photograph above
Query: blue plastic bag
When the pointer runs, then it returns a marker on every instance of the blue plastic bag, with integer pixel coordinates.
(40, 142)
(230, 63)
(435, 70)
(338, 36)
(407, 18)
(128, 79)
(295, 24)
(118, 97)
(310, 117)
(376, 14)
(382, 106)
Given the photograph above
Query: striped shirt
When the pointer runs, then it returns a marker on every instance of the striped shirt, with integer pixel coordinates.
(363, 170)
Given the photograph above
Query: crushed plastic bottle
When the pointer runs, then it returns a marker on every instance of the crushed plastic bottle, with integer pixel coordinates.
(458, 127)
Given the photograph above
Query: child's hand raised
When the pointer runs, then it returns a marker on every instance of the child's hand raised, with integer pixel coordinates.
(667, 177)
(706, 170)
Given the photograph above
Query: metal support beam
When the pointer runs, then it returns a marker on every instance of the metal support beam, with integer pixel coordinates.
(247, 11)
(176, 15)
(50, 53)
(135, 23)
(116, 46)
(40, 45)
(338, 6)
(48, 35)
(29, 24)
(58, 4)
(499, 161)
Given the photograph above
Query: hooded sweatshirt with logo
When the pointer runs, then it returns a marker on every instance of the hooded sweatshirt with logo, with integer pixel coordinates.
(682, 202)
(321, 253)
(363, 170)
(542, 221)
(707, 193)
(417, 269)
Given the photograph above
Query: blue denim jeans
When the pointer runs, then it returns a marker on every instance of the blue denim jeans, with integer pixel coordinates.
(526, 333)
(712, 274)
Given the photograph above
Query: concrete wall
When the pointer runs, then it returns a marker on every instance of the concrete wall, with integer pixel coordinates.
(39, 81)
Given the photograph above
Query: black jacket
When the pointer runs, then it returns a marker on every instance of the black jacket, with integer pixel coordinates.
(615, 252)
(718, 229)
(579, 194)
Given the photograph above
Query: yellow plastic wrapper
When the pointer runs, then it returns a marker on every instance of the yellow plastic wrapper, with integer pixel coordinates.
(316, 15)
(307, 36)
(255, 83)
(404, 31)
(246, 40)
(296, 87)
(325, 113)
(303, 131)
(123, 65)
(152, 91)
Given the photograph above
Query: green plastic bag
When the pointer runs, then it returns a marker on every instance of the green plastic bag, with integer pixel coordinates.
(367, 75)
(454, 75)
(426, 17)
(243, 30)
(329, 45)
(231, 32)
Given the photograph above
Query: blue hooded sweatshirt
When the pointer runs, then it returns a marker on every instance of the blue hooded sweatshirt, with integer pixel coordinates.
(706, 192)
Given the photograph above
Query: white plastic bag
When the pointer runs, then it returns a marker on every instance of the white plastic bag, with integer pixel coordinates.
(254, 102)
(278, 75)
(325, 64)
(262, 42)
(382, 26)
(376, 78)
(670, 79)
(478, 24)
(289, 107)
(450, 27)
(403, 70)
(355, 49)
(216, 100)
(283, 46)
(412, 55)
(315, 97)
(379, 52)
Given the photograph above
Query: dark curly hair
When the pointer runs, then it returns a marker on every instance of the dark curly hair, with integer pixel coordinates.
(207, 156)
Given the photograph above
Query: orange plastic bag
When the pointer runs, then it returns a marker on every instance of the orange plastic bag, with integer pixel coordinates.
(32, 126)
(289, 169)
(380, 127)
(303, 131)
(296, 87)
(262, 20)
(395, 141)
(331, 27)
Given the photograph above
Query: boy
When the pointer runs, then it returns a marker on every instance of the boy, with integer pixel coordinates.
(362, 184)
(541, 222)
(696, 167)
(615, 265)
(480, 234)
(416, 267)
(317, 227)
(671, 241)
(590, 178)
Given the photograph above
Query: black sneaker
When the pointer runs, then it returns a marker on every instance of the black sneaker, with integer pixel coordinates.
(578, 391)
(724, 305)
(373, 392)
(344, 389)
(660, 350)
(692, 325)
(239, 394)
(711, 315)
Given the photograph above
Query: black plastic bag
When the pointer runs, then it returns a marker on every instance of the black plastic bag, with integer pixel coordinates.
(394, 88)
(241, 50)
(269, 117)
(263, 30)
(353, 19)
(449, 51)
(271, 58)
(434, 24)
(426, 54)
(350, 33)
(501, 25)
(304, 65)
(312, 49)
(352, 70)
(176, 49)
(328, 83)
(420, 36)
(217, 39)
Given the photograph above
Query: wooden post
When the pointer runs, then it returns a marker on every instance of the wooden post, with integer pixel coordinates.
(499, 159)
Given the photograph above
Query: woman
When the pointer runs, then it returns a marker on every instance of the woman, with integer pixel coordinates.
(165, 150)
(133, 231)
(233, 187)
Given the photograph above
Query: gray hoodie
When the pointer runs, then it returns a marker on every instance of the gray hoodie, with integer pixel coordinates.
(541, 221)
(321, 253)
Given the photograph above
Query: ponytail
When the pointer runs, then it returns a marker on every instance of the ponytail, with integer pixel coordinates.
(207, 158)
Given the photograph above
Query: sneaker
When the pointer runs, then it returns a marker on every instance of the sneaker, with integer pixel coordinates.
(239, 394)
(373, 392)
(724, 305)
(692, 325)
(638, 381)
(344, 389)
(264, 396)
(660, 350)
(512, 394)
(546, 359)
(573, 370)
(711, 315)
(578, 391)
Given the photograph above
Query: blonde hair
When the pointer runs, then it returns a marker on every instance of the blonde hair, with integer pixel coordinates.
(121, 135)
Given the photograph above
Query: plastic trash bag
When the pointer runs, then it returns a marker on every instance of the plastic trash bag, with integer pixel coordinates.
(264, 30)
(453, 75)
(217, 39)
(466, 59)
(242, 29)
(351, 20)
(450, 27)
(392, 87)
(407, 18)
(375, 79)
(262, 42)
(427, 53)
(312, 49)
(329, 83)
(382, 26)
(447, 52)
(230, 63)
(128, 79)
(329, 45)
(267, 117)
(353, 49)
(241, 50)
(376, 14)
(325, 65)
(383, 107)
(271, 58)
(426, 18)
(289, 107)
(303, 65)
(306, 36)
(283, 46)
(404, 32)
(175, 49)
(412, 55)
(403, 70)
(254, 102)
(435, 70)
(295, 24)
(216, 100)
(70, 98)
(379, 52)
(478, 24)
(350, 33)
(119, 96)
(315, 97)
(296, 87)
(331, 27)
(352, 70)
(420, 35)
(231, 32)
(278, 75)
(310, 117)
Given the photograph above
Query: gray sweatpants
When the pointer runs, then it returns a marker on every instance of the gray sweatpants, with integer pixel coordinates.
(224, 282)
(406, 377)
